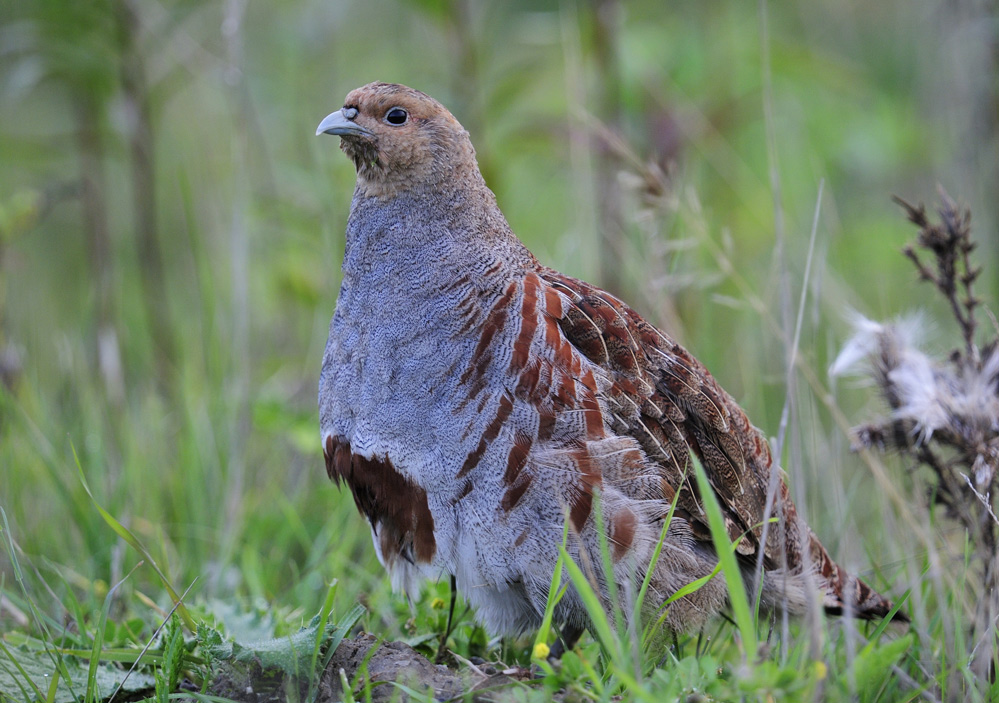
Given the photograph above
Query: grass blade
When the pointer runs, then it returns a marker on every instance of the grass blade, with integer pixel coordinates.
(135, 544)
(729, 566)
(594, 608)
(342, 628)
(39, 618)
(640, 600)
(556, 590)
(324, 615)
(142, 654)
(95, 657)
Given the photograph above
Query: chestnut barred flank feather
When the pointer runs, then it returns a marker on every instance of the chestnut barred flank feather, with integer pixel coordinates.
(474, 401)
(396, 507)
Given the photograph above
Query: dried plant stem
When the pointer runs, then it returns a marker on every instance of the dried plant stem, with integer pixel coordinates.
(951, 244)
(945, 413)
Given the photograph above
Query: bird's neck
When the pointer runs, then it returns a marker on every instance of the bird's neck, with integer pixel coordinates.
(429, 232)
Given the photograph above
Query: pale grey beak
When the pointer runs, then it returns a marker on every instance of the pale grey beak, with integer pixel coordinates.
(342, 124)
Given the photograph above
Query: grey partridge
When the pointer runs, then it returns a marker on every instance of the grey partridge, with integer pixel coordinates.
(474, 400)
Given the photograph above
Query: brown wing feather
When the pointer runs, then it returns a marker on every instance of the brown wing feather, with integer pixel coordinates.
(665, 398)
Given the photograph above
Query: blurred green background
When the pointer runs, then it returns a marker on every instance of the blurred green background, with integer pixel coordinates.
(171, 233)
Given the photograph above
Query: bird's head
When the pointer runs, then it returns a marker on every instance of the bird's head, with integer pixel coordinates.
(399, 139)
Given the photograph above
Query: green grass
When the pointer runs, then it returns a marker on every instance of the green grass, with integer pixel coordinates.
(193, 497)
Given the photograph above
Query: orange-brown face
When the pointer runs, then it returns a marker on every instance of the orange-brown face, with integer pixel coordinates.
(395, 134)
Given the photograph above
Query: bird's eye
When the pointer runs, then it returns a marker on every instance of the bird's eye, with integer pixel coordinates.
(396, 116)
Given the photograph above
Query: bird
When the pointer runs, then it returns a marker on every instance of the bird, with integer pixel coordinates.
(487, 411)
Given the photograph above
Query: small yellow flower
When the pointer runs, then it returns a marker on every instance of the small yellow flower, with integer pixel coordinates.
(820, 670)
(437, 604)
(541, 650)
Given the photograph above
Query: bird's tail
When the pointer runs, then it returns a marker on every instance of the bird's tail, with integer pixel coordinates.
(847, 594)
(805, 567)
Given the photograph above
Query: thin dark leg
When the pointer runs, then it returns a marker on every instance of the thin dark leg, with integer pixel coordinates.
(450, 621)
(568, 636)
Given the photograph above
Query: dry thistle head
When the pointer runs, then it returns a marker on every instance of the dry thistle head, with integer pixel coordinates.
(934, 404)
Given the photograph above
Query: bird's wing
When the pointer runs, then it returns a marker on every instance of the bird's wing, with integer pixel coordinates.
(665, 399)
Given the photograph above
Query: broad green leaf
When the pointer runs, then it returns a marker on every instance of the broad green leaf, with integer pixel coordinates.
(29, 670)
